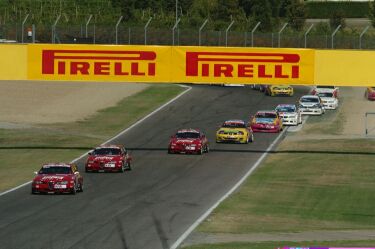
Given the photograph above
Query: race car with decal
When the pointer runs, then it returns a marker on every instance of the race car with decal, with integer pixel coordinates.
(279, 90)
(370, 93)
(188, 141)
(289, 114)
(311, 105)
(108, 158)
(57, 178)
(235, 131)
(266, 121)
(333, 89)
(329, 100)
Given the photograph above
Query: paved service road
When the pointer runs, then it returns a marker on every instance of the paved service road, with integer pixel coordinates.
(151, 206)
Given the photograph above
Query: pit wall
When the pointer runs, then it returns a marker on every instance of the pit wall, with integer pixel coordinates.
(175, 64)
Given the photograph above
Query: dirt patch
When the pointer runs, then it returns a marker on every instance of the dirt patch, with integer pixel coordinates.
(355, 108)
(57, 102)
(339, 235)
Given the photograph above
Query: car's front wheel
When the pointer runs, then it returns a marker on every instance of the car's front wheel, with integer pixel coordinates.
(80, 188)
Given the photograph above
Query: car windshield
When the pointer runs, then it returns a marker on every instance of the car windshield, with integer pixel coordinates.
(285, 109)
(234, 125)
(310, 100)
(55, 170)
(329, 87)
(266, 115)
(187, 135)
(323, 94)
(106, 151)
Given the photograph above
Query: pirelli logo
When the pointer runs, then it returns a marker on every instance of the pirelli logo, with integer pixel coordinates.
(98, 62)
(243, 65)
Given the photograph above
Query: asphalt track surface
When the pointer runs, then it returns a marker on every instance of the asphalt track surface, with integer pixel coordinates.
(151, 206)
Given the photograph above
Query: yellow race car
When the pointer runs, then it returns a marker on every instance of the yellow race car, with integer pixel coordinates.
(279, 90)
(234, 131)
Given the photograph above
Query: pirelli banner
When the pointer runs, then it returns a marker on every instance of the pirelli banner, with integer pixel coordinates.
(170, 64)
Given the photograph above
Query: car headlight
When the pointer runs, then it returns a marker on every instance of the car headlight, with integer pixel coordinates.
(241, 133)
(37, 182)
(63, 182)
(90, 162)
(221, 132)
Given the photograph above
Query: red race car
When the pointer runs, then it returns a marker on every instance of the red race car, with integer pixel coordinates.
(370, 93)
(188, 141)
(108, 158)
(266, 121)
(57, 178)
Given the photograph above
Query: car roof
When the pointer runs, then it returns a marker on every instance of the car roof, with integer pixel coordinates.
(188, 130)
(270, 111)
(49, 165)
(110, 146)
(286, 105)
(239, 121)
(310, 96)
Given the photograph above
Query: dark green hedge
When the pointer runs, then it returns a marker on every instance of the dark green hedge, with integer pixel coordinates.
(325, 9)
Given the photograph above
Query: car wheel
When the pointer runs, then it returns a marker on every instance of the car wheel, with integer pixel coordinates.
(128, 166)
(200, 152)
(170, 151)
(33, 192)
(251, 138)
(80, 189)
(207, 149)
(122, 169)
(74, 190)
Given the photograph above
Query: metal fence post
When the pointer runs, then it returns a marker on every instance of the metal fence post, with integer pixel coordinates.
(34, 30)
(333, 34)
(146, 26)
(252, 33)
(23, 26)
(174, 29)
(279, 34)
(54, 28)
(200, 31)
(361, 35)
(117, 24)
(307, 32)
(87, 24)
(226, 33)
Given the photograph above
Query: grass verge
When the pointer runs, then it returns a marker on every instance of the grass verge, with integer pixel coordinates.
(23, 150)
(306, 185)
(273, 245)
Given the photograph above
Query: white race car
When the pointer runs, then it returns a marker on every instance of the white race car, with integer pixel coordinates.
(289, 114)
(329, 100)
(311, 105)
(333, 89)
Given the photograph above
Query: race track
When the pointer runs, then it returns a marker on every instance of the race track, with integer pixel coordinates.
(151, 206)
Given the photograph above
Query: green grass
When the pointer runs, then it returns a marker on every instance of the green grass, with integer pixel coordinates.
(331, 123)
(22, 151)
(273, 245)
(302, 191)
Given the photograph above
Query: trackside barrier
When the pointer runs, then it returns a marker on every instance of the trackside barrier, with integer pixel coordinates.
(175, 64)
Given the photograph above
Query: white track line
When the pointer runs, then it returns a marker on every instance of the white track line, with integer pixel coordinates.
(15, 188)
(118, 135)
(234, 188)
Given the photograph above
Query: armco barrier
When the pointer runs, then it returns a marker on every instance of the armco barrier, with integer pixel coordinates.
(175, 64)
